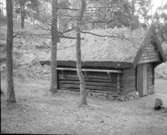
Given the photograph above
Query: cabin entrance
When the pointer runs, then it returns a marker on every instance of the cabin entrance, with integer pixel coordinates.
(145, 79)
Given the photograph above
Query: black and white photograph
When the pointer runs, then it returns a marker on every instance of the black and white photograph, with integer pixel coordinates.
(83, 67)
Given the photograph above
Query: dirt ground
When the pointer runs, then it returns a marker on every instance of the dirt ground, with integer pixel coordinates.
(37, 111)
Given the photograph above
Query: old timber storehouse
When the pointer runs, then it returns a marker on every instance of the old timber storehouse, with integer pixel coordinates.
(120, 61)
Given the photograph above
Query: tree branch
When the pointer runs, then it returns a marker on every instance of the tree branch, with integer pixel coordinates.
(73, 9)
(68, 37)
(68, 30)
(110, 36)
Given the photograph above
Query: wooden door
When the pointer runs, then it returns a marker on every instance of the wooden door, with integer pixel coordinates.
(142, 79)
(150, 78)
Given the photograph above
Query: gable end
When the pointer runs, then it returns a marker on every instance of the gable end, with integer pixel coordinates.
(149, 54)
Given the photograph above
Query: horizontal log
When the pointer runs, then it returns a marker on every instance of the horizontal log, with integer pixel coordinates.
(88, 73)
(75, 77)
(151, 49)
(96, 64)
(101, 88)
(150, 52)
(90, 83)
(149, 60)
(92, 70)
(150, 57)
(89, 80)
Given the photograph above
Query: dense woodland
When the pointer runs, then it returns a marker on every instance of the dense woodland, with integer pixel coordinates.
(45, 22)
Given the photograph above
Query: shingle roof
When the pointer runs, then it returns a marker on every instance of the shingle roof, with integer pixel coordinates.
(95, 48)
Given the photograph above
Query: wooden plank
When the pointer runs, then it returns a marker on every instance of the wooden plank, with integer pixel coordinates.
(148, 57)
(144, 72)
(143, 80)
(118, 83)
(100, 88)
(96, 64)
(99, 81)
(148, 61)
(92, 80)
(140, 80)
(150, 72)
(90, 83)
(92, 70)
(75, 77)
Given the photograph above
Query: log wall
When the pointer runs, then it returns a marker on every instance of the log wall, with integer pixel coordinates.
(95, 81)
(128, 81)
(124, 82)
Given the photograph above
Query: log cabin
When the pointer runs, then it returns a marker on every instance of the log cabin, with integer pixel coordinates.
(113, 61)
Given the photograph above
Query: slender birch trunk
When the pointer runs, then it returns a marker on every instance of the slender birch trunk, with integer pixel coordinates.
(22, 14)
(83, 91)
(55, 39)
(9, 42)
(0, 81)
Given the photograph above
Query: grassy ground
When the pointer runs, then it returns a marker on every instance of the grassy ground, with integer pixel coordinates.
(37, 111)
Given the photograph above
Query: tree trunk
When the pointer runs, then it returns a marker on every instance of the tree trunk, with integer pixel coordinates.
(9, 42)
(55, 39)
(83, 91)
(0, 81)
(22, 13)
